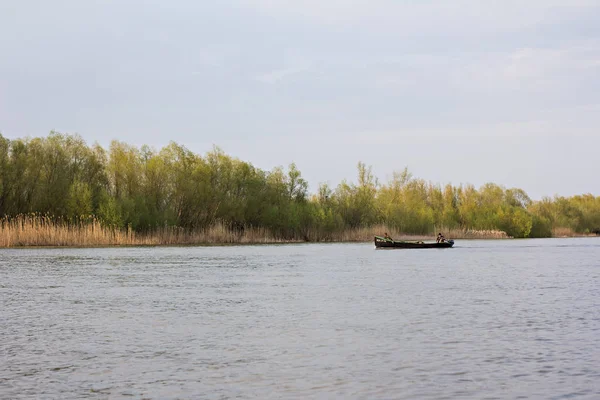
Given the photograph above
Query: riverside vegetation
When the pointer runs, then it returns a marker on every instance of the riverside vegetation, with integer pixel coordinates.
(57, 190)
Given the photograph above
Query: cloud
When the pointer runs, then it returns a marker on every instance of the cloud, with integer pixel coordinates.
(541, 69)
(528, 63)
(276, 76)
(415, 17)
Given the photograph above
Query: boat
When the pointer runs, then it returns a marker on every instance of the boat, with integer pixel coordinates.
(383, 243)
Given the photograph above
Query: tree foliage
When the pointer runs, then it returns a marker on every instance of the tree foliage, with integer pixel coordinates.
(144, 188)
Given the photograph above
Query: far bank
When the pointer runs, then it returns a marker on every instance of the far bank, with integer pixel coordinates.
(38, 232)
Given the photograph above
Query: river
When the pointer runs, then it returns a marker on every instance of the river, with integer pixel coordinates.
(507, 319)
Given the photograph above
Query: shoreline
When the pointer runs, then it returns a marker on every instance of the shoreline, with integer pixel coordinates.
(262, 243)
(39, 232)
(36, 231)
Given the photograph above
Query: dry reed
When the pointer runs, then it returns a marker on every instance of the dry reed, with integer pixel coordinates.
(475, 234)
(366, 234)
(39, 230)
(42, 230)
(563, 232)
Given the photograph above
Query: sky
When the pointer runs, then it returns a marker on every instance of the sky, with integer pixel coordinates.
(458, 91)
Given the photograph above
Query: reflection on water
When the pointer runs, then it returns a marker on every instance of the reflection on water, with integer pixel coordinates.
(486, 319)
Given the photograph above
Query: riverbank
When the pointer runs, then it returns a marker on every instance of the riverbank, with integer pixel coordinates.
(37, 231)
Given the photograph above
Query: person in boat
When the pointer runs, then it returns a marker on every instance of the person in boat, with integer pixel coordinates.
(387, 237)
(440, 238)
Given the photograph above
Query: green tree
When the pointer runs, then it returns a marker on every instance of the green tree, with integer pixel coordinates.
(79, 201)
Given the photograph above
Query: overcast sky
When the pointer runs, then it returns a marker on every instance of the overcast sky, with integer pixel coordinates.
(459, 91)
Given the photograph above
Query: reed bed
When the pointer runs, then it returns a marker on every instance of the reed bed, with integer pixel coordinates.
(43, 230)
(37, 230)
(475, 234)
(366, 234)
(563, 232)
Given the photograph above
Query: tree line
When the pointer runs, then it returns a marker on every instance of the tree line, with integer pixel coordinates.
(142, 188)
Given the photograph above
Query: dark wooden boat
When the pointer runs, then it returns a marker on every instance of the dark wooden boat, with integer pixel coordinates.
(383, 243)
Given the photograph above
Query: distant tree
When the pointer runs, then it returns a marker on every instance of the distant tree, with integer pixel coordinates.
(79, 201)
(144, 188)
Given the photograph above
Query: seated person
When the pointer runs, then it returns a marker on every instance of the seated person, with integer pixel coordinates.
(387, 237)
(440, 238)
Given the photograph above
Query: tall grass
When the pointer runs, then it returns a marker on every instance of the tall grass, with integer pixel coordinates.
(564, 232)
(44, 230)
(475, 234)
(365, 234)
(40, 230)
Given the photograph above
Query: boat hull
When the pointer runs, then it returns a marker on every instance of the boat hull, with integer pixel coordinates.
(382, 243)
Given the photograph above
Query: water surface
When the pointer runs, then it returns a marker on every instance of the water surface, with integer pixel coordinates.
(484, 320)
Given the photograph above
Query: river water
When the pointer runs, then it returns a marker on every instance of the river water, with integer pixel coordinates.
(514, 319)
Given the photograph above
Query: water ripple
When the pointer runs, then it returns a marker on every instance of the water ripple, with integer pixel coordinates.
(486, 320)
